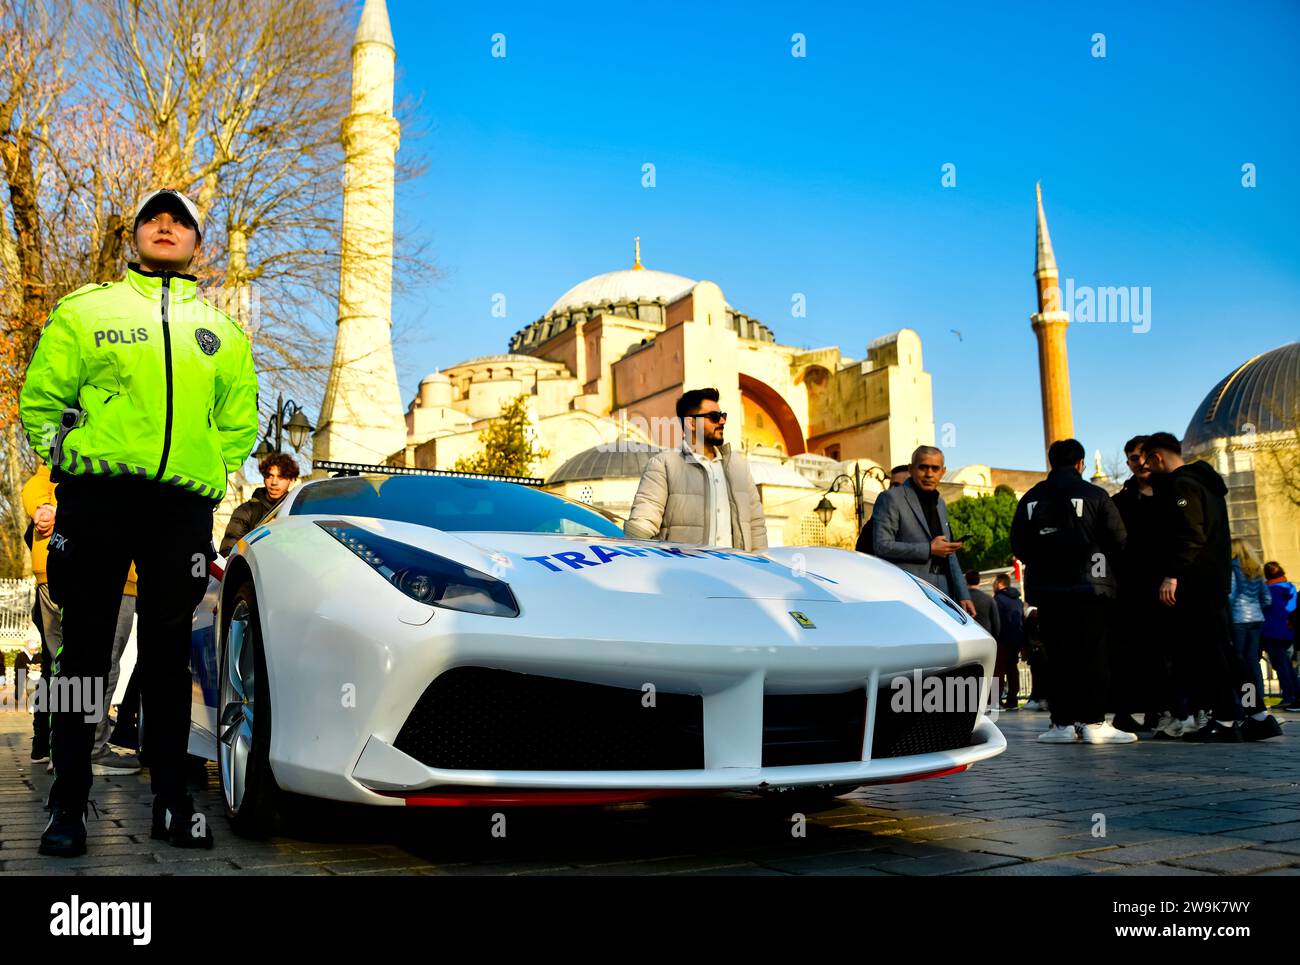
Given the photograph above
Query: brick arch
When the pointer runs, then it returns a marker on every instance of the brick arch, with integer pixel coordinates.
(779, 409)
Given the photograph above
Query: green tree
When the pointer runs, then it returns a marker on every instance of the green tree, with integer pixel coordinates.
(508, 446)
(987, 521)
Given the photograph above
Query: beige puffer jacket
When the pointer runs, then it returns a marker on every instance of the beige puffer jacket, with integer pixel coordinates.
(674, 498)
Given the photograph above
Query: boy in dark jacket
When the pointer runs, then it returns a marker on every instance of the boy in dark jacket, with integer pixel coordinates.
(278, 474)
(1011, 640)
(1196, 567)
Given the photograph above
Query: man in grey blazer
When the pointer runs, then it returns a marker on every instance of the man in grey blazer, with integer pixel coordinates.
(911, 528)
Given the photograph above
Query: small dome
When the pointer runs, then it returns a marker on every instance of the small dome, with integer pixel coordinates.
(769, 473)
(628, 285)
(1263, 392)
(623, 459)
(506, 357)
(434, 377)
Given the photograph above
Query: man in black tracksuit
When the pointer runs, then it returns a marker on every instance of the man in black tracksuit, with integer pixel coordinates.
(1069, 534)
(1143, 634)
(1195, 562)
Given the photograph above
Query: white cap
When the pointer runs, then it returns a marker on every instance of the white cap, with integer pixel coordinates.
(186, 203)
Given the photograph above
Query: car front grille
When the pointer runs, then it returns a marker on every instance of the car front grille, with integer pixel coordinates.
(912, 729)
(813, 728)
(474, 718)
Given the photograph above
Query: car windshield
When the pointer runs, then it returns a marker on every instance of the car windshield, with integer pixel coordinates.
(455, 503)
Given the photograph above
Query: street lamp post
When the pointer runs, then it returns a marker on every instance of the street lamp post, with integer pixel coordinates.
(826, 509)
(288, 415)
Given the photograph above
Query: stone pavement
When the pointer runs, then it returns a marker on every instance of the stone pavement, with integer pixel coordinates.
(1168, 809)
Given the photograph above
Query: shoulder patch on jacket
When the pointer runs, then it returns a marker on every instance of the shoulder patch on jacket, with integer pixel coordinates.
(215, 314)
(82, 290)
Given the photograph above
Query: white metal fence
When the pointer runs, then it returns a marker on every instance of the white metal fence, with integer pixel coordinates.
(16, 599)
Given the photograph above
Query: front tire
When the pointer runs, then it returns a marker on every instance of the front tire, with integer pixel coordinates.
(244, 722)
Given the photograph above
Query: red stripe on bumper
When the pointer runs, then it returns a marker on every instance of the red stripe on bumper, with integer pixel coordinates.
(924, 777)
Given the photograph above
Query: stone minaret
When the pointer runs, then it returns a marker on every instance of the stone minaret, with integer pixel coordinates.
(362, 418)
(1049, 324)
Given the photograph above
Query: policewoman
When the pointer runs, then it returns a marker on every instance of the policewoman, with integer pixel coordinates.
(142, 397)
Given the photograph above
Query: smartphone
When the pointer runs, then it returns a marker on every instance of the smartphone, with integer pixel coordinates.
(959, 539)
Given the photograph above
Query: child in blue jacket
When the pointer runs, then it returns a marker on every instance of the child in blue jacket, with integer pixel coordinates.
(1278, 635)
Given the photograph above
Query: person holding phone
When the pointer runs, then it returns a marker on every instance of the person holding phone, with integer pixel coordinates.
(912, 530)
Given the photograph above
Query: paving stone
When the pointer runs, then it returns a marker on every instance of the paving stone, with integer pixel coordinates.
(253, 860)
(1060, 866)
(1242, 861)
(1125, 836)
(1168, 849)
(1199, 824)
(829, 863)
(360, 865)
(1154, 871)
(954, 862)
(1244, 806)
(307, 869)
(1269, 832)
(1037, 849)
(1284, 847)
(38, 863)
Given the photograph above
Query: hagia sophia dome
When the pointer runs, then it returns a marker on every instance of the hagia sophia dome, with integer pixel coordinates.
(1262, 393)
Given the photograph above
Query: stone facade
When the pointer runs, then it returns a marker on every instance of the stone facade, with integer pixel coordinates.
(595, 371)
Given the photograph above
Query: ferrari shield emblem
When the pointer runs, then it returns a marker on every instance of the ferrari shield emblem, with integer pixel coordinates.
(802, 620)
(208, 341)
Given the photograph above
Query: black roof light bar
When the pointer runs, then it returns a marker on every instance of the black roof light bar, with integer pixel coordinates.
(358, 468)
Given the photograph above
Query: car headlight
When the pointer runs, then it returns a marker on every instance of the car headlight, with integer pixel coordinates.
(941, 598)
(426, 577)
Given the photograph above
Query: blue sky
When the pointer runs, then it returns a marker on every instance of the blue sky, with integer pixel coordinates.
(822, 175)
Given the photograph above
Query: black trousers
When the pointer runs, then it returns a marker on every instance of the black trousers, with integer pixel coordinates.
(101, 525)
(1206, 666)
(1074, 629)
(1139, 675)
(40, 721)
(1008, 669)
(1038, 682)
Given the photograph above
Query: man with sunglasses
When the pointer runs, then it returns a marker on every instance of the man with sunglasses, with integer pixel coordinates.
(700, 492)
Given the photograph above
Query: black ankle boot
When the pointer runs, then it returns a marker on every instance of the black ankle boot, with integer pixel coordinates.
(180, 824)
(65, 835)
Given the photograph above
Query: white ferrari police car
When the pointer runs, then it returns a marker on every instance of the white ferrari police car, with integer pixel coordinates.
(407, 638)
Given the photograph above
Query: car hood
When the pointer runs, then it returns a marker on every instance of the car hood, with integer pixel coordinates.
(560, 564)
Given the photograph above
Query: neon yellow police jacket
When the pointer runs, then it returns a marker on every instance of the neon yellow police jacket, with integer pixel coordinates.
(142, 377)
